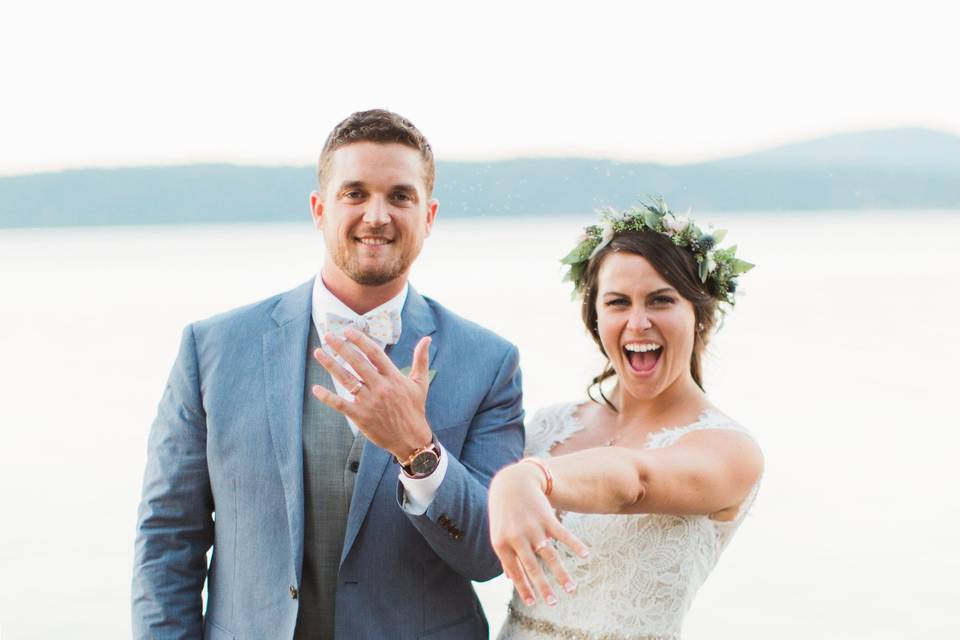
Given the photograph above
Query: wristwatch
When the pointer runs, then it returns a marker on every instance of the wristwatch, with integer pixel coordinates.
(423, 461)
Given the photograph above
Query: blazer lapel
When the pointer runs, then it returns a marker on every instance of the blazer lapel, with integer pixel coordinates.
(416, 322)
(284, 358)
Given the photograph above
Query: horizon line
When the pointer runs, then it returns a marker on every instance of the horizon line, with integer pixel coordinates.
(466, 159)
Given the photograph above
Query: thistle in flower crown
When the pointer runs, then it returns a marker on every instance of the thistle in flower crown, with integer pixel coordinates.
(719, 268)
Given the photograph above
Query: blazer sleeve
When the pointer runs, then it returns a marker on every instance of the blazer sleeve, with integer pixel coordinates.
(174, 523)
(455, 525)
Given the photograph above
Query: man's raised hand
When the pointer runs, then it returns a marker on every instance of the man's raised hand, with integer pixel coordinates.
(388, 407)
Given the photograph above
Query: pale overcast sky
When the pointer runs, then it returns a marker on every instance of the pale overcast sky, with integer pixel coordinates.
(106, 83)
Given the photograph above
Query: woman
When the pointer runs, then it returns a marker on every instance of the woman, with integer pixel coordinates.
(650, 481)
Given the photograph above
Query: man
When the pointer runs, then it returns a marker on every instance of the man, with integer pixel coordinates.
(344, 494)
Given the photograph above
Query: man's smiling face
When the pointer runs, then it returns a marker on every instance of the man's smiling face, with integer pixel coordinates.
(374, 212)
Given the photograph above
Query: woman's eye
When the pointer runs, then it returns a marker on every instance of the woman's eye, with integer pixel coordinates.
(663, 300)
(617, 302)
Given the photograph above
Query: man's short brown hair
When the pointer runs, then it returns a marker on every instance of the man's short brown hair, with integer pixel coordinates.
(384, 127)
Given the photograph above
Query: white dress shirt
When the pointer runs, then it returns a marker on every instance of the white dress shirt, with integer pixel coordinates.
(419, 492)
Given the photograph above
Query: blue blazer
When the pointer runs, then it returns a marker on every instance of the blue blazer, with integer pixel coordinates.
(225, 468)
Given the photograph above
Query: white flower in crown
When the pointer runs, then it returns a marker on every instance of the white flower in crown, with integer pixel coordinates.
(676, 224)
(711, 263)
(606, 235)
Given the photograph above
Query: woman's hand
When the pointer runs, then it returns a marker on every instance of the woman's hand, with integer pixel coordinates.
(523, 525)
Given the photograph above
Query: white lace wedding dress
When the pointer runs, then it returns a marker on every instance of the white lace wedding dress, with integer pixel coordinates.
(643, 569)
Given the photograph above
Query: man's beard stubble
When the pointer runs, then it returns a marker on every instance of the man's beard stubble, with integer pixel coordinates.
(348, 263)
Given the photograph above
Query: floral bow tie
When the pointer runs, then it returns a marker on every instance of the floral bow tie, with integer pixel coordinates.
(383, 326)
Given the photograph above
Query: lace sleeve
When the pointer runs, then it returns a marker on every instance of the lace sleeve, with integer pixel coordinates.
(710, 419)
(548, 426)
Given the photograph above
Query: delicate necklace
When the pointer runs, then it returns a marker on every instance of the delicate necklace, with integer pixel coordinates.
(616, 437)
(612, 441)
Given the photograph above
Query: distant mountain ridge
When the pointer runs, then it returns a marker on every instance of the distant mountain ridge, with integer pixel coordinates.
(897, 168)
(883, 150)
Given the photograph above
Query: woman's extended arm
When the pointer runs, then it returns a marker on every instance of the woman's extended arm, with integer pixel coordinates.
(705, 472)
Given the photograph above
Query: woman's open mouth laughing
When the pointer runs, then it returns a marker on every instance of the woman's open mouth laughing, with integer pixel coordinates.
(642, 356)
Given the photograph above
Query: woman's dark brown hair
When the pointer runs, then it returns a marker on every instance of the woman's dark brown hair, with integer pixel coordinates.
(675, 265)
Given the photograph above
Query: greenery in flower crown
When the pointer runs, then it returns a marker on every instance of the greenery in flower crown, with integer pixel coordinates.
(719, 268)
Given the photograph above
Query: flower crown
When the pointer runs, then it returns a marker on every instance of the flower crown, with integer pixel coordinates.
(720, 267)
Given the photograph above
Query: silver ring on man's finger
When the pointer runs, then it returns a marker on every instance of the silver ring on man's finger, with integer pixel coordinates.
(357, 388)
(543, 545)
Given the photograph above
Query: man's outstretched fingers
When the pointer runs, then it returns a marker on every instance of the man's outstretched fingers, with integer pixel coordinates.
(335, 369)
(375, 354)
(420, 369)
(332, 400)
(366, 371)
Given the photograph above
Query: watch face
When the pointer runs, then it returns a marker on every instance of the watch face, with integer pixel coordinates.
(424, 464)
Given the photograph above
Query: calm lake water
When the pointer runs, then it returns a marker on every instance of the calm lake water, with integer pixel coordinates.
(841, 358)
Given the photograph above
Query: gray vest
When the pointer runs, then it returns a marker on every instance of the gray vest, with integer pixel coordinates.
(331, 459)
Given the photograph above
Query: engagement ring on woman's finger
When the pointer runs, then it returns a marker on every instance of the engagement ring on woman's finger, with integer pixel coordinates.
(543, 545)
(359, 386)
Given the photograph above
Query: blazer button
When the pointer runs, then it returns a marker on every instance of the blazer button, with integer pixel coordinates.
(293, 592)
(354, 466)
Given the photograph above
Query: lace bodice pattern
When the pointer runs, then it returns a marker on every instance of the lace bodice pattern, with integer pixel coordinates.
(643, 569)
